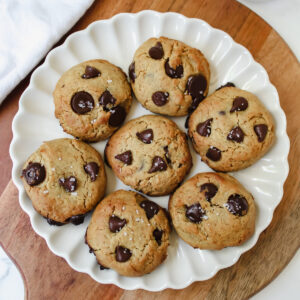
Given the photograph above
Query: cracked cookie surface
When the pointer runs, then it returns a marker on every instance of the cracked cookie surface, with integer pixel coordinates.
(150, 154)
(213, 211)
(231, 129)
(64, 178)
(128, 233)
(92, 100)
(169, 77)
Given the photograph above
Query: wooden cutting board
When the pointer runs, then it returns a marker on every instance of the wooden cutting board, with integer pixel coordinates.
(47, 276)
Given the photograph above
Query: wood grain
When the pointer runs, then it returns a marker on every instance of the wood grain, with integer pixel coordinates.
(47, 276)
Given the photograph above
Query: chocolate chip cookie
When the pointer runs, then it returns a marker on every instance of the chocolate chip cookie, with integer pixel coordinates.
(92, 100)
(231, 129)
(169, 77)
(64, 179)
(128, 233)
(150, 154)
(213, 211)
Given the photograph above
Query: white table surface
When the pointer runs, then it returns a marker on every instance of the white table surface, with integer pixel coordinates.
(284, 17)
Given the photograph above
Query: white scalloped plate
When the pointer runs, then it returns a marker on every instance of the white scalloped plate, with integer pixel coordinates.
(116, 40)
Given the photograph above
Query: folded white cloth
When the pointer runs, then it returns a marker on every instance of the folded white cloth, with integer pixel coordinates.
(28, 29)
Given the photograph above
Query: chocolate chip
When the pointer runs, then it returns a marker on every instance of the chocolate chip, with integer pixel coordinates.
(222, 113)
(82, 103)
(237, 205)
(261, 131)
(236, 134)
(117, 116)
(195, 213)
(158, 165)
(196, 85)
(150, 207)
(52, 222)
(90, 72)
(125, 157)
(131, 71)
(34, 174)
(69, 184)
(160, 98)
(195, 102)
(122, 254)
(210, 190)
(116, 224)
(239, 104)
(213, 153)
(228, 84)
(204, 128)
(167, 154)
(145, 136)
(76, 220)
(102, 267)
(173, 73)
(157, 52)
(105, 99)
(158, 235)
(92, 169)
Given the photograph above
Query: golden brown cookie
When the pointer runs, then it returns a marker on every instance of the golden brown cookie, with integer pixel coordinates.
(231, 129)
(64, 179)
(128, 233)
(150, 154)
(212, 211)
(92, 100)
(169, 77)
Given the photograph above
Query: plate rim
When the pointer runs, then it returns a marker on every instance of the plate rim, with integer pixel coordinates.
(65, 44)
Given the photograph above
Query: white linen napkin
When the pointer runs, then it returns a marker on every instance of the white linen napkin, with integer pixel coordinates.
(28, 29)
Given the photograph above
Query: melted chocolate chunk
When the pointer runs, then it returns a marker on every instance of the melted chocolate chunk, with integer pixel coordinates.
(160, 98)
(145, 136)
(261, 131)
(195, 213)
(158, 235)
(102, 267)
(195, 102)
(122, 254)
(52, 222)
(82, 102)
(76, 220)
(196, 85)
(116, 224)
(125, 157)
(105, 99)
(156, 52)
(228, 84)
(173, 73)
(34, 174)
(69, 184)
(204, 129)
(222, 113)
(239, 104)
(237, 205)
(90, 72)
(131, 71)
(117, 116)
(158, 165)
(167, 155)
(150, 207)
(213, 153)
(210, 190)
(92, 169)
(236, 134)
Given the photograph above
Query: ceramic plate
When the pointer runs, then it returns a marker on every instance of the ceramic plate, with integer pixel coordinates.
(116, 40)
